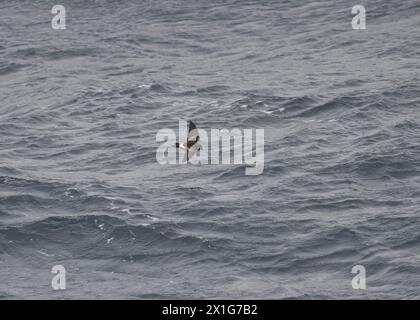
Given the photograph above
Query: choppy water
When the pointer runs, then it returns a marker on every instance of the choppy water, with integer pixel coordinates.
(79, 181)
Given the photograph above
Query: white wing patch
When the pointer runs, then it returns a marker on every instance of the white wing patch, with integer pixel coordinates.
(192, 135)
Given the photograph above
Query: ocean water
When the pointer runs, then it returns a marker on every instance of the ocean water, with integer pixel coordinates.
(80, 185)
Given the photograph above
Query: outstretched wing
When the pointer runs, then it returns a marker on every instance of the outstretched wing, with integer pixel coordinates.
(192, 133)
(192, 146)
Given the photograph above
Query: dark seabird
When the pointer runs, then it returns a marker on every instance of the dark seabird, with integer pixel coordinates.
(192, 141)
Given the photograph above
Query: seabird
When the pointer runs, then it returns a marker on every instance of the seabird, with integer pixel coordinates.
(192, 145)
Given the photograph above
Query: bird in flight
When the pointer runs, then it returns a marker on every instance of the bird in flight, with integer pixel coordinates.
(192, 145)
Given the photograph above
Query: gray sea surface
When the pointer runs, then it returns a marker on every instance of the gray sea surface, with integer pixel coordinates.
(80, 185)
